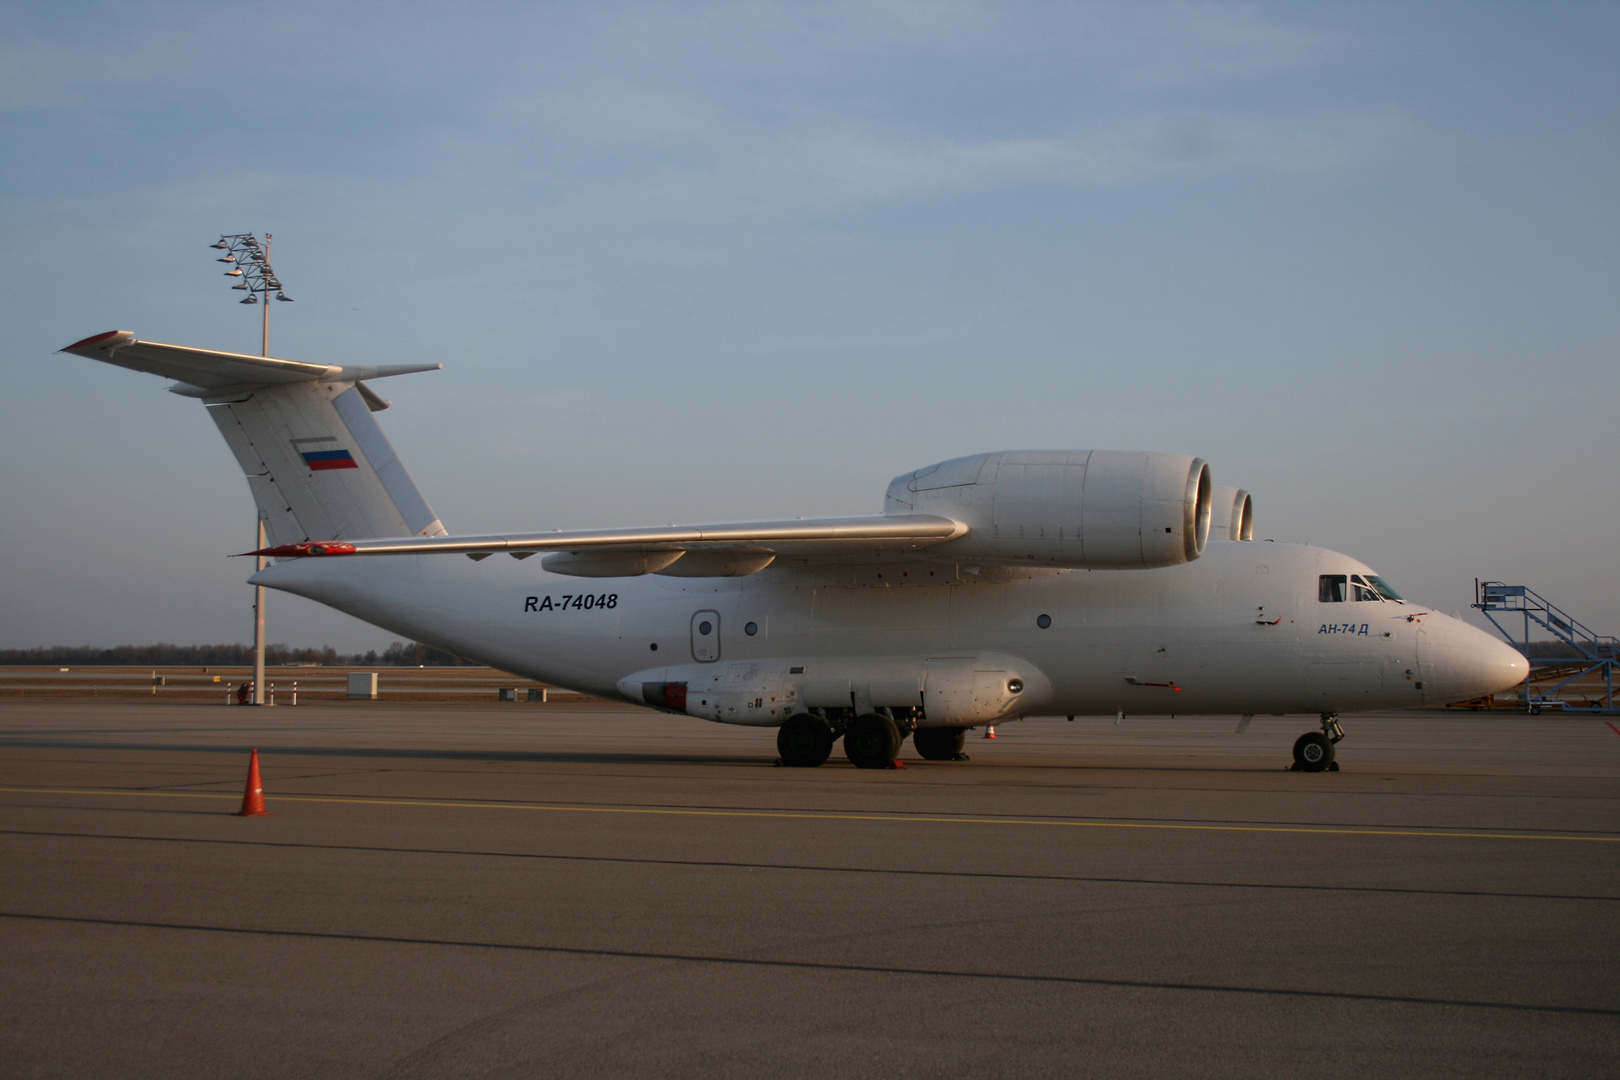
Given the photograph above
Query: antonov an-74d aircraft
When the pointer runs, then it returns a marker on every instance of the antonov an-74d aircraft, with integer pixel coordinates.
(991, 587)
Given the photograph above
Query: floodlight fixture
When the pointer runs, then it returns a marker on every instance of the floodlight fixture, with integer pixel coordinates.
(249, 260)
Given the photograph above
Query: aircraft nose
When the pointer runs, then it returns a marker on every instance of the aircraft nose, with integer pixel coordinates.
(1467, 663)
(1505, 666)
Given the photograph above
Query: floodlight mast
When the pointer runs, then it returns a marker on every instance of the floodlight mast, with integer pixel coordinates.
(250, 264)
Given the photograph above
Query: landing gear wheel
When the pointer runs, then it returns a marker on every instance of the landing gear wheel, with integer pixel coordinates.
(1313, 752)
(940, 743)
(804, 741)
(871, 741)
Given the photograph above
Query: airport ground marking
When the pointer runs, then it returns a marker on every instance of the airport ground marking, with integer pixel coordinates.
(1612, 728)
(831, 815)
(731, 864)
(827, 965)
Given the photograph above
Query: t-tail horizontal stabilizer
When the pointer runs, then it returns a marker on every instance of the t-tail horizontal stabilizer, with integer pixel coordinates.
(319, 467)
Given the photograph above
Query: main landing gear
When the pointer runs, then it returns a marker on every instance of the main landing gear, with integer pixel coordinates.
(871, 740)
(940, 743)
(804, 741)
(1313, 751)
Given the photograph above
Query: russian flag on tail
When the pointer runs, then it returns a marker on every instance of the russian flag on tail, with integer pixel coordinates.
(317, 460)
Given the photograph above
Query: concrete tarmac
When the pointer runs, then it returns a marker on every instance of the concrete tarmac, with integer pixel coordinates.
(505, 891)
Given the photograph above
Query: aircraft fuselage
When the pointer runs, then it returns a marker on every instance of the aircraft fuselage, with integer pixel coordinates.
(1240, 630)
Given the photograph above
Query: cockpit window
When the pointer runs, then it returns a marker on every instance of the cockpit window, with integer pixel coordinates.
(1361, 590)
(1384, 590)
(1330, 588)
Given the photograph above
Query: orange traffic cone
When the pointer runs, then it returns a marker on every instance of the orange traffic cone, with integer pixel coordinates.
(990, 732)
(253, 797)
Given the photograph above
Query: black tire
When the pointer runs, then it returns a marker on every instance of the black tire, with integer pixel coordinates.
(804, 741)
(1312, 752)
(939, 743)
(871, 741)
(1535, 710)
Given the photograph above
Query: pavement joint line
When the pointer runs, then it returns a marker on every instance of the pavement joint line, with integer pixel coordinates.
(824, 965)
(723, 864)
(824, 816)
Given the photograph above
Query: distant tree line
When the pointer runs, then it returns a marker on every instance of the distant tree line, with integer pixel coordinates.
(399, 654)
(1550, 648)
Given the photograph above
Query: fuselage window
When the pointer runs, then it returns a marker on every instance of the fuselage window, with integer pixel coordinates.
(1361, 590)
(1330, 588)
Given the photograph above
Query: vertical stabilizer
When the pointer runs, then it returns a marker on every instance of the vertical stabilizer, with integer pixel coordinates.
(319, 466)
(317, 463)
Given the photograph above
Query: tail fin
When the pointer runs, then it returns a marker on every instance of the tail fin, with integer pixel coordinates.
(317, 463)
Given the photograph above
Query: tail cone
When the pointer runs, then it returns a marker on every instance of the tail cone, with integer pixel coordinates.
(253, 797)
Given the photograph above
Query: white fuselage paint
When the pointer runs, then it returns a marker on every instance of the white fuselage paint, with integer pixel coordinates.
(1239, 630)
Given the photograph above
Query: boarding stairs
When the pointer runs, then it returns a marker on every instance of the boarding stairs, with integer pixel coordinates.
(1594, 654)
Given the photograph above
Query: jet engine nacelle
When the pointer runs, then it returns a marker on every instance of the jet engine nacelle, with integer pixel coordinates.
(1085, 509)
(1233, 517)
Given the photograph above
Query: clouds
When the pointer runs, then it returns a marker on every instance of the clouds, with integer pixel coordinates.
(821, 163)
(1177, 45)
(751, 112)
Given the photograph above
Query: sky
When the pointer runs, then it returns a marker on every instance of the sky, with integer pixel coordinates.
(703, 262)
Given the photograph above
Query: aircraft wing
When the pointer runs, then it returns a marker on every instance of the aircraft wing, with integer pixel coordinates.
(720, 550)
(215, 370)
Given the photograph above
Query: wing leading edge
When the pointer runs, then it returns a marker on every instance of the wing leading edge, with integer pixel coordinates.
(721, 550)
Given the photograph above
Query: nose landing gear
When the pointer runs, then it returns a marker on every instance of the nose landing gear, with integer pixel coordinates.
(1313, 751)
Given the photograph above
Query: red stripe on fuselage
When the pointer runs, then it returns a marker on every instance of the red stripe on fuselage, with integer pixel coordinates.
(336, 463)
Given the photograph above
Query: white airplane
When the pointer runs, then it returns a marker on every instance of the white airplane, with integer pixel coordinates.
(991, 587)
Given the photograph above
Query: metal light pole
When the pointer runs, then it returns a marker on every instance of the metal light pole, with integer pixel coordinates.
(251, 266)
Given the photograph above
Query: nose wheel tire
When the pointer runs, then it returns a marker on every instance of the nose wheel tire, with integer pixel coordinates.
(939, 743)
(804, 741)
(871, 741)
(1313, 752)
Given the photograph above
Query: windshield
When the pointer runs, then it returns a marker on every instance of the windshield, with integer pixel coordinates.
(1360, 590)
(1383, 589)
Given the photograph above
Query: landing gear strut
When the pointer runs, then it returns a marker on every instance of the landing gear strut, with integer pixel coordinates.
(1313, 751)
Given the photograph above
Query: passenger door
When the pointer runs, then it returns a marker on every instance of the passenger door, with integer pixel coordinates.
(706, 636)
